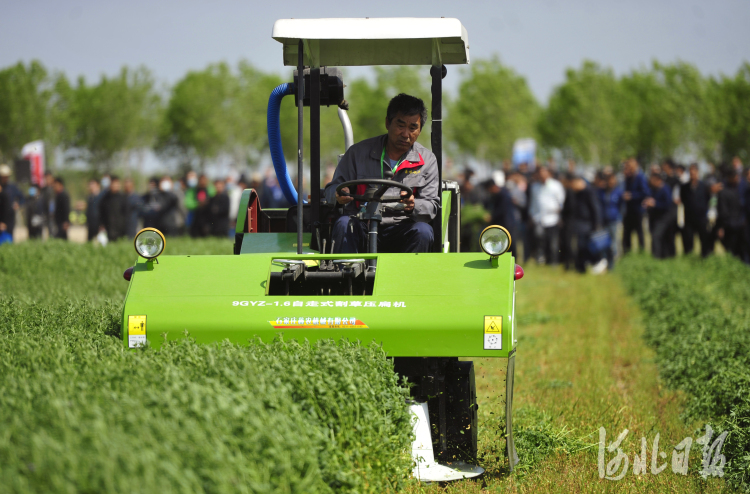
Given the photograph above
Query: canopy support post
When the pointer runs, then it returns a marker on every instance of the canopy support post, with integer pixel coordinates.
(314, 145)
(437, 73)
(300, 141)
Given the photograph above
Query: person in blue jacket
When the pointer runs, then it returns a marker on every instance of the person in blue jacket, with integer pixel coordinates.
(610, 195)
(635, 191)
(659, 219)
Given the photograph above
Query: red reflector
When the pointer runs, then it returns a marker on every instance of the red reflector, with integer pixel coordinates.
(129, 272)
(519, 272)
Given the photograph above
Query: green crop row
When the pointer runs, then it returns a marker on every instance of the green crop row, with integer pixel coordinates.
(697, 318)
(80, 413)
(54, 271)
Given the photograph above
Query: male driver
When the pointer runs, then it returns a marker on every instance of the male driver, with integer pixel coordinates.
(407, 229)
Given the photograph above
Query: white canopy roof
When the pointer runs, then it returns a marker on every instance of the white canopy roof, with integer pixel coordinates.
(381, 41)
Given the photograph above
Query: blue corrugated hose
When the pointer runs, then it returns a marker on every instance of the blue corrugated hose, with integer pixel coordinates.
(274, 140)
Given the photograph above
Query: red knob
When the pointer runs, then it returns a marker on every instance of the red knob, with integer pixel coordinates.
(519, 272)
(129, 273)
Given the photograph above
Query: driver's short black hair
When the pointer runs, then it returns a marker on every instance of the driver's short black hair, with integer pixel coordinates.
(407, 106)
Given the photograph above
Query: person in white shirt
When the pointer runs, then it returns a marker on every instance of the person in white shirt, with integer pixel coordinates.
(547, 199)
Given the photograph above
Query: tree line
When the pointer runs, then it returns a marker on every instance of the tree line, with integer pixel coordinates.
(593, 116)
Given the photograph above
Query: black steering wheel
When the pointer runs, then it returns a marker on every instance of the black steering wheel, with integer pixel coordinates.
(375, 194)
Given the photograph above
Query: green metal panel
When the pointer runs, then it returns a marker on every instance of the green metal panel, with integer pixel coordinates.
(446, 205)
(426, 304)
(255, 243)
(242, 212)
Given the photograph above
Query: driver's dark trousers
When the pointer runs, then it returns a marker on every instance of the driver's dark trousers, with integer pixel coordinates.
(350, 236)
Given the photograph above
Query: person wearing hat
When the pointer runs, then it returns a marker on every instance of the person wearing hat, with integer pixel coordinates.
(13, 197)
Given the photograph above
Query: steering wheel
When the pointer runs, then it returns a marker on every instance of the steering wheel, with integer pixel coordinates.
(374, 194)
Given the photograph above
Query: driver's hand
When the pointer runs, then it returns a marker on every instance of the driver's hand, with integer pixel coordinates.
(408, 201)
(344, 199)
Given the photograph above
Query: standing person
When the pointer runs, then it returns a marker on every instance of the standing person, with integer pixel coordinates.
(731, 220)
(582, 216)
(659, 219)
(150, 204)
(133, 202)
(191, 201)
(672, 180)
(61, 209)
(636, 190)
(179, 188)
(516, 187)
(547, 199)
(35, 213)
(92, 209)
(611, 202)
(531, 234)
(220, 210)
(14, 195)
(500, 206)
(166, 208)
(113, 211)
(5, 210)
(201, 223)
(47, 195)
(695, 196)
(567, 253)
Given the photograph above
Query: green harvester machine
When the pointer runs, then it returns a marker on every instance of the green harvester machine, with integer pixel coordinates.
(426, 309)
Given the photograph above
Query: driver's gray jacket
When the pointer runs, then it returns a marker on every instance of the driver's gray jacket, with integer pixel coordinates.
(418, 171)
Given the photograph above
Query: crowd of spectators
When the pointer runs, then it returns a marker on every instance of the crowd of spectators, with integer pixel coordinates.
(558, 216)
(580, 219)
(113, 209)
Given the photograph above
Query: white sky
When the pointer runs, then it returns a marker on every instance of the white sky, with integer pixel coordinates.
(539, 39)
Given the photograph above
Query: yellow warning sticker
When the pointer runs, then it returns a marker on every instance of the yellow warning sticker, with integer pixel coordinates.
(493, 324)
(136, 331)
(136, 325)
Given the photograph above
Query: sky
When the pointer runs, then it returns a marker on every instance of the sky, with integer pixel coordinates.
(539, 39)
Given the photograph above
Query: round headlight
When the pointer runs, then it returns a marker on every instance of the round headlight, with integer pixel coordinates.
(149, 243)
(494, 240)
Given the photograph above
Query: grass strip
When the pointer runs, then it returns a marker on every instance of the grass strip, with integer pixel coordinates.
(697, 319)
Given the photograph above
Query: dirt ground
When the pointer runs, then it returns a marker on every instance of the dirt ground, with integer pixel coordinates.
(76, 233)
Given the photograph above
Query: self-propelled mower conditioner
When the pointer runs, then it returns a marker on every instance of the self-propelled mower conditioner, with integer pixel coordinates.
(426, 309)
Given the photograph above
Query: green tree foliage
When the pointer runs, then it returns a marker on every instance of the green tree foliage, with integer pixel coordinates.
(494, 107)
(584, 115)
(369, 102)
(198, 119)
(667, 111)
(651, 113)
(116, 115)
(25, 95)
(731, 95)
